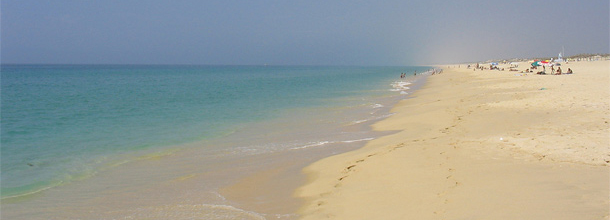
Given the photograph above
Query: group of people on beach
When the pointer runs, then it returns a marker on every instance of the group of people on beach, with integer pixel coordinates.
(481, 67)
(553, 71)
(558, 72)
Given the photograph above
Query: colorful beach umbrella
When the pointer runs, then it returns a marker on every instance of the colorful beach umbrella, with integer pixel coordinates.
(546, 63)
(536, 63)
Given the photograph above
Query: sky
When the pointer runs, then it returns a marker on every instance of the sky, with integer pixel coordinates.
(313, 32)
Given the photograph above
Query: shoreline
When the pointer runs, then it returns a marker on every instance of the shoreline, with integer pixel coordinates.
(478, 144)
(250, 173)
(274, 185)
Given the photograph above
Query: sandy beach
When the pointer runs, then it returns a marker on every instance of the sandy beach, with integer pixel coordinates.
(484, 144)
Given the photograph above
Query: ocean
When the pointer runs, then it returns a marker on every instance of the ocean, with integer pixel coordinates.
(74, 126)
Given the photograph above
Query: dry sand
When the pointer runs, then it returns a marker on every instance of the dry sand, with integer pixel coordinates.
(479, 145)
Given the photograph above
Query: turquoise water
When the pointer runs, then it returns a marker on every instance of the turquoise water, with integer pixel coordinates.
(64, 122)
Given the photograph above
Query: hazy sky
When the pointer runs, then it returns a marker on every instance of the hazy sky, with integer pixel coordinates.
(375, 32)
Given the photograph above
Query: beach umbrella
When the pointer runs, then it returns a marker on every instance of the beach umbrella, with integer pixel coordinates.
(546, 63)
(536, 63)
